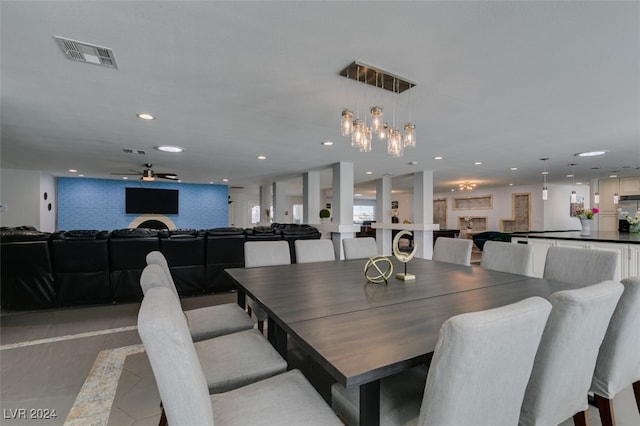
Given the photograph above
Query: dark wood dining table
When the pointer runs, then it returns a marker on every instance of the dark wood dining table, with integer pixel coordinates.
(361, 332)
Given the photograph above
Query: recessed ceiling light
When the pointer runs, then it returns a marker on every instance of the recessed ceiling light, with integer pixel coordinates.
(513, 169)
(145, 116)
(453, 190)
(544, 173)
(590, 153)
(357, 195)
(211, 183)
(569, 176)
(368, 173)
(73, 171)
(438, 157)
(613, 176)
(124, 177)
(327, 143)
(510, 184)
(261, 157)
(225, 180)
(81, 175)
(477, 163)
(169, 148)
(578, 183)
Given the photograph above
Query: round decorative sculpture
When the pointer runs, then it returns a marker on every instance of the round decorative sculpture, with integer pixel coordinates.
(402, 256)
(378, 269)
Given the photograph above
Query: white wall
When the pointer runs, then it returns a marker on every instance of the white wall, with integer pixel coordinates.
(22, 199)
(550, 215)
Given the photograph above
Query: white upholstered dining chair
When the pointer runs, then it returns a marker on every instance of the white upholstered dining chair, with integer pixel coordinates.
(566, 357)
(287, 398)
(478, 374)
(230, 360)
(581, 266)
(453, 250)
(507, 257)
(206, 322)
(359, 248)
(264, 253)
(308, 251)
(618, 364)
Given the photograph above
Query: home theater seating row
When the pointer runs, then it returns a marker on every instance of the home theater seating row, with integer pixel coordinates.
(85, 267)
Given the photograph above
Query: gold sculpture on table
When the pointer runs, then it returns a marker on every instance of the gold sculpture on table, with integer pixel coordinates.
(403, 257)
(374, 264)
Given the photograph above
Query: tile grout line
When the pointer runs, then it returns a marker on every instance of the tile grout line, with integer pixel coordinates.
(67, 337)
(94, 401)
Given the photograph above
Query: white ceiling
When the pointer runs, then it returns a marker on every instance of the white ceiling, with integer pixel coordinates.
(505, 83)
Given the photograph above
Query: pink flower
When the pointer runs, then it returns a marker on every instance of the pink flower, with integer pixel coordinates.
(595, 210)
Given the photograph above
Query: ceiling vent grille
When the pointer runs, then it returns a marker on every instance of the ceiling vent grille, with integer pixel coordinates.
(133, 151)
(84, 52)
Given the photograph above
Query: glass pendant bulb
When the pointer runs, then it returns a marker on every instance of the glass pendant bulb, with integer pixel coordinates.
(382, 132)
(409, 139)
(596, 198)
(365, 145)
(357, 133)
(545, 193)
(376, 118)
(616, 198)
(574, 196)
(394, 144)
(347, 122)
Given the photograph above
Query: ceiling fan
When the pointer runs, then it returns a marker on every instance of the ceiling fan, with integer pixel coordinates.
(149, 175)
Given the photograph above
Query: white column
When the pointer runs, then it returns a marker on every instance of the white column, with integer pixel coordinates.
(266, 201)
(342, 207)
(280, 203)
(311, 197)
(383, 214)
(423, 212)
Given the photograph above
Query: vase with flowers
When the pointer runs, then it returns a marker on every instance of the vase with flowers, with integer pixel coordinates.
(585, 217)
(634, 221)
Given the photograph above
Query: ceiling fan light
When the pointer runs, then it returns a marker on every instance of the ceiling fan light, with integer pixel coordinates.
(169, 148)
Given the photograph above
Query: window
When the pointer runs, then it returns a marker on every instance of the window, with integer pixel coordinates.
(255, 213)
(362, 213)
(297, 213)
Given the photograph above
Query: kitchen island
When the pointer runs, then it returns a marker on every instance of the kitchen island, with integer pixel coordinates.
(626, 244)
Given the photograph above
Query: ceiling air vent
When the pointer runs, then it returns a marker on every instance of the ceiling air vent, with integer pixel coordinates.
(84, 52)
(133, 151)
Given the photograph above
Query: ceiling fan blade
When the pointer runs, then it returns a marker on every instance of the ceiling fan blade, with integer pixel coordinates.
(126, 174)
(171, 176)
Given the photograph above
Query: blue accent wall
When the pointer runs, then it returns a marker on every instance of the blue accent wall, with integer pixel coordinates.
(99, 204)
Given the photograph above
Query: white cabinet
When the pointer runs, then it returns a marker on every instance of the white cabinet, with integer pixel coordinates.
(630, 186)
(628, 254)
(634, 261)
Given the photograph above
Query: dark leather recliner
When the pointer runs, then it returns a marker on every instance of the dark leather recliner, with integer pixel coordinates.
(81, 267)
(128, 250)
(224, 249)
(184, 251)
(263, 233)
(26, 272)
(293, 232)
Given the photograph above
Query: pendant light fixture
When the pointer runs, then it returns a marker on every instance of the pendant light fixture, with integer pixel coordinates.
(596, 194)
(545, 192)
(361, 133)
(574, 195)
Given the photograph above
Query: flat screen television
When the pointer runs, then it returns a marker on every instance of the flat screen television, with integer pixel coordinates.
(145, 200)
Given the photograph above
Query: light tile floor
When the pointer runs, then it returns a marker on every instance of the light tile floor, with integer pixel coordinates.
(47, 356)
